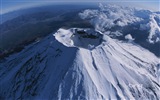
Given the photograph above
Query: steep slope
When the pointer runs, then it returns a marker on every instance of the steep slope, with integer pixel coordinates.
(80, 64)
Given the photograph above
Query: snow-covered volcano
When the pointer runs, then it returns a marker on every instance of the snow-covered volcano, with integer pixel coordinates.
(62, 67)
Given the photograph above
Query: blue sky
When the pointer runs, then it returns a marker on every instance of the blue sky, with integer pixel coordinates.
(9, 5)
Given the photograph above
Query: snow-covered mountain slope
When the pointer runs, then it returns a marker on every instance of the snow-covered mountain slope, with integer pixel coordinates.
(62, 67)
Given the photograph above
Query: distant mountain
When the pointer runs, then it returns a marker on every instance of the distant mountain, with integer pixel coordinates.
(80, 63)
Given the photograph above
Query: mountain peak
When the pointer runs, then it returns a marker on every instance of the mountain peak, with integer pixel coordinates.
(78, 37)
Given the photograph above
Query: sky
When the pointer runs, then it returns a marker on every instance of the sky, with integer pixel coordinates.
(11, 5)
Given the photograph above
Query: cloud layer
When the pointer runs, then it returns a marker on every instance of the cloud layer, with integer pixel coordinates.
(117, 18)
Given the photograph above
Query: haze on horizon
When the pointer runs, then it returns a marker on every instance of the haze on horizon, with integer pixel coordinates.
(10, 5)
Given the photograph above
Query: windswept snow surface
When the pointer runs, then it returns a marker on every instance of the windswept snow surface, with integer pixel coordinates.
(115, 17)
(61, 67)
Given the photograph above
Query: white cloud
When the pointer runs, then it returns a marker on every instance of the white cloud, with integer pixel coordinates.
(111, 16)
